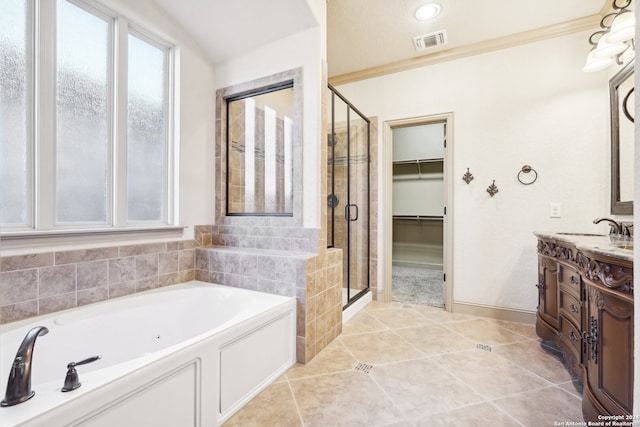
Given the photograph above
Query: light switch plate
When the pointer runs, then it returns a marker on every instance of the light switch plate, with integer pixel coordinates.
(554, 210)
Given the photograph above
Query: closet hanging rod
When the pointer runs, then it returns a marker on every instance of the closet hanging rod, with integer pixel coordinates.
(419, 217)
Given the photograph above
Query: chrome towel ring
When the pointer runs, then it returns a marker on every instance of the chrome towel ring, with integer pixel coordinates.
(526, 169)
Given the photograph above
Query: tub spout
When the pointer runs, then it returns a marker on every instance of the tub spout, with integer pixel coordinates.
(19, 384)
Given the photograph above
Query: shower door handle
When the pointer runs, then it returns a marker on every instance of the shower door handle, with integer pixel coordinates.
(347, 212)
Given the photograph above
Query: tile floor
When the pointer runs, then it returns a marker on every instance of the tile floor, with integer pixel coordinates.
(409, 365)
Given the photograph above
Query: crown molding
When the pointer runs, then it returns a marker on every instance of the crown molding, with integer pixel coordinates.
(551, 31)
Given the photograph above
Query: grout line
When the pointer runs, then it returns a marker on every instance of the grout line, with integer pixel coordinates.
(406, 418)
(567, 391)
(295, 402)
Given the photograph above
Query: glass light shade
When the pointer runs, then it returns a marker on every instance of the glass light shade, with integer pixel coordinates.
(428, 11)
(596, 64)
(604, 49)
(623, 28)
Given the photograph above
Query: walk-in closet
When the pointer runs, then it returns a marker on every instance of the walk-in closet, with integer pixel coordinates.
(418, 209)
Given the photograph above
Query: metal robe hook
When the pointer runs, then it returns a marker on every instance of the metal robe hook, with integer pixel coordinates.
(467, 177)
(492, 189)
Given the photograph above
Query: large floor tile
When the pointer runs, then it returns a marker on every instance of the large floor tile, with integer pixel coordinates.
(489, 374)
(541, 408)
(440, 315)
(434, 339)
(479, 415)
(379, 347)
(345, 399)
(420, 387)
(361, 323)
(484, 332)
(333, 358)
(523, 329)
(530, 355)
(379, 305)
(399, 317)
(273, 407)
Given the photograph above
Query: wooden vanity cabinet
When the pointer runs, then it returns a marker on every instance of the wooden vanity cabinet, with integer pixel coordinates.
(608, 336)
(592, 322)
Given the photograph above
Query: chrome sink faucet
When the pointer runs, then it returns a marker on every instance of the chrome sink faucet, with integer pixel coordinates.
(616, 227)
(19, 384)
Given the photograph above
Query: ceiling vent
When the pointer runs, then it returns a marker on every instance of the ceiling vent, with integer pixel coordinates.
(428, 41)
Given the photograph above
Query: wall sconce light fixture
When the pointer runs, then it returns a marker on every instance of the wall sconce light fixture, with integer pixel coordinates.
(616, 36)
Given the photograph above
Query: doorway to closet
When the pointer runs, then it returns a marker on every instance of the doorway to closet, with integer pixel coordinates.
(417, 255)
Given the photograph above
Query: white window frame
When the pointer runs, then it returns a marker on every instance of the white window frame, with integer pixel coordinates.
(43, 173)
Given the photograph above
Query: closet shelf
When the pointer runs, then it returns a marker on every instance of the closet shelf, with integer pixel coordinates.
(425, 168)
(419, 217)
(422, 177)
(415, 161)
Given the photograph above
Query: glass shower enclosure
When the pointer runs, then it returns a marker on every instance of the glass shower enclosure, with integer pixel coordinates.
(348, 197)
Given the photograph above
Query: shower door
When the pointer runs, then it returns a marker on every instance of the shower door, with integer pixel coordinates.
(348, 188)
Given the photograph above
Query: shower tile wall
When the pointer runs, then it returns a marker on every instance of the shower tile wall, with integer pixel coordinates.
(339, 150)
(358, 168)
(35, 284)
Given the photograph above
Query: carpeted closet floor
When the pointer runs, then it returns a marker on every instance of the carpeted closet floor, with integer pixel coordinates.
(418, 286)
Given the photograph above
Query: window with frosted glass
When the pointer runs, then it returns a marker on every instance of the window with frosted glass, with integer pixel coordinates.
(146, 132)
(82, 115)
(15, 116)
(103, 154)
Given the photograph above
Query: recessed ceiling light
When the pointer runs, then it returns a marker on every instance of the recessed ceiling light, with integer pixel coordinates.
(428, 11)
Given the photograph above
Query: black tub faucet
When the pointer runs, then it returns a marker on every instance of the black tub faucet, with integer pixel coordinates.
(19, 384)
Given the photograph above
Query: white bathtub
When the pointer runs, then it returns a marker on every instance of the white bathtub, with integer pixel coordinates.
(186, 355)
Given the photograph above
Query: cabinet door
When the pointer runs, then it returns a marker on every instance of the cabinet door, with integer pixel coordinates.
(608, 338)
(548, 291)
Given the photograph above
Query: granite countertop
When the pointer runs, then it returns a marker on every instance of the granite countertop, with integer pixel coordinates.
(600, 244)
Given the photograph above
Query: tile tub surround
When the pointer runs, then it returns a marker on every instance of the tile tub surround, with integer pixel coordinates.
(35, 284)
(426, 371)
(314, 279)
(41, 283)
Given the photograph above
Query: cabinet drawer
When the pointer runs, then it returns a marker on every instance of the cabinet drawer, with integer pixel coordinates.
(570, 307)
(571, 335)
(569, 277)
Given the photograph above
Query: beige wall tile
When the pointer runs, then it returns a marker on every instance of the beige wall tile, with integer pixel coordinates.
(18, 286)
(23, 262)
(57, 280)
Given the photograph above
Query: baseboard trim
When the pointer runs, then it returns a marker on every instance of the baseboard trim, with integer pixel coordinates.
(501, 313)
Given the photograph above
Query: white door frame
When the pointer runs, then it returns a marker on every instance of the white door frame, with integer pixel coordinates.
(387, 200)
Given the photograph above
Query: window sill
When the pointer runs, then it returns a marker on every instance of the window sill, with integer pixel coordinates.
(37, 241)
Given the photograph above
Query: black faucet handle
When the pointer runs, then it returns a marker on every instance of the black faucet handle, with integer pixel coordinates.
(83, 362)
(72, 381)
